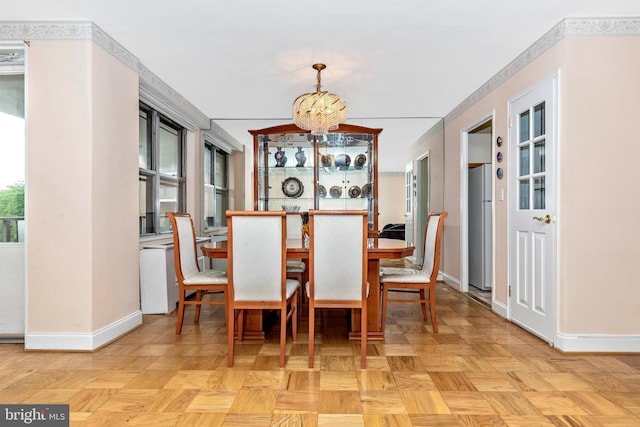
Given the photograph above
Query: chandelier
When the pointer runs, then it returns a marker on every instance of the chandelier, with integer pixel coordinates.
(319, 112)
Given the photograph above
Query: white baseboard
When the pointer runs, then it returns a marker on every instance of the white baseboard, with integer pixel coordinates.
(74, 341)
(598, 343)
(499, 308)
(451, 281)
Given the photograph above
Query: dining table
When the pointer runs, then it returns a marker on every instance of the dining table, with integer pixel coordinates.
(377, 249)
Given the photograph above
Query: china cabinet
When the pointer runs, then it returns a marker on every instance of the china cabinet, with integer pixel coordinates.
(297, 171)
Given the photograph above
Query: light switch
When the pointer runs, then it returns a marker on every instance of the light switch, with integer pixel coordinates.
(501, 194)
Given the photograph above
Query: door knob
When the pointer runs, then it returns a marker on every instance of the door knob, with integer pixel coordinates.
(546, 218)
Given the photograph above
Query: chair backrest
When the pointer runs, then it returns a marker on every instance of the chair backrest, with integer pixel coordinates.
(257, 255)
(184, 245)
(338, 255)
(432, 243)
(294, 226)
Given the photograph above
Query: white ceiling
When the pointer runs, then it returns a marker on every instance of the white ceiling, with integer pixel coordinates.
(400, 65)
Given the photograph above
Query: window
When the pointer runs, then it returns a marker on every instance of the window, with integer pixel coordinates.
(162, 177)
(216, 186)
(12, 146)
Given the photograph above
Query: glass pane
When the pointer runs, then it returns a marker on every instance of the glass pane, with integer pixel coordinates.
(12, 159)
(524, 126)
(221, 208)
(209, 200)
(169, 150)
(221, 169)
(207, 165)
(524, 194)
(168, 203)
(144, 142)
(538, 120)
(538, 157)
(146, 209)
(524, 160)
(538, 193)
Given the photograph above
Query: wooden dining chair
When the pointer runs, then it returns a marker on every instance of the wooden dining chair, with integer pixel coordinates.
(338, 268)
(190, 278)
(257, 273)
(423, 281)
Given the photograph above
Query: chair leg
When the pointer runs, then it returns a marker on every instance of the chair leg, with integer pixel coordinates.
(196, 319)
(311, 331)
(363, 336)
(283, 333)
(180, 317)
(432, 306)
(230, 336)
(385, 296)
(240, 324)
(300, 295)
(423, 304)
(294, 317)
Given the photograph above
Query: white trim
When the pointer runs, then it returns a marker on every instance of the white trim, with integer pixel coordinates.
(568, 27)
(499, 308)
(451, 281)
(222, 139)
(601, 343)
(82, 341)
(464, 201)
(153, 90)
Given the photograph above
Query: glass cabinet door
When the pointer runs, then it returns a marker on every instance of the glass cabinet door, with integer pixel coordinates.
(345, 172)
(285, 172)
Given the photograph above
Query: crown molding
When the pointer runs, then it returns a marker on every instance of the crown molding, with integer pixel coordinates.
(568, 27)
(153, 89)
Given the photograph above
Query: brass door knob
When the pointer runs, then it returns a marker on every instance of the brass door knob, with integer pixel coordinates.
(546, 218)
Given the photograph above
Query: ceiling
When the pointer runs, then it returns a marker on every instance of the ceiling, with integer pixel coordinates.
(401, 65)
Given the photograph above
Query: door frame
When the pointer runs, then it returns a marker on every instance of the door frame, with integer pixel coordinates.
(463, 286)
(422, 203)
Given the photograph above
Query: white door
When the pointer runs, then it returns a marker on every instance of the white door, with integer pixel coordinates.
(409, 183)
(532, 205)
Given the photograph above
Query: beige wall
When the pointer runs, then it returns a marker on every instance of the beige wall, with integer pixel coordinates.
(82, 199)
(597, 155)
(599, 205)
(494, 104)
(391, 199)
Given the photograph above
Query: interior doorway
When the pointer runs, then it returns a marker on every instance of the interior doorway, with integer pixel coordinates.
(422, 205)
(477, 212)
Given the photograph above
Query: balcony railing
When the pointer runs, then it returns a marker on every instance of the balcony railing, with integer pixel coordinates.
(12, 229)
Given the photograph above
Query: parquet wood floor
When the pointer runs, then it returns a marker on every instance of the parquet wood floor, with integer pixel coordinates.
(480, 370)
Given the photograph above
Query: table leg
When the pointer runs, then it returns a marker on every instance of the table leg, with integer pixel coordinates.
(253, 329)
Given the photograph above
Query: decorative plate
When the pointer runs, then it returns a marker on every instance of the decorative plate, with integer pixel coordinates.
(343, 161)
(366, 190)
(327, 161)
(335, 192)
(322, 191)
(354, 191)
(360, 161)
(499, 156)
(292, 187)
(499, 173)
